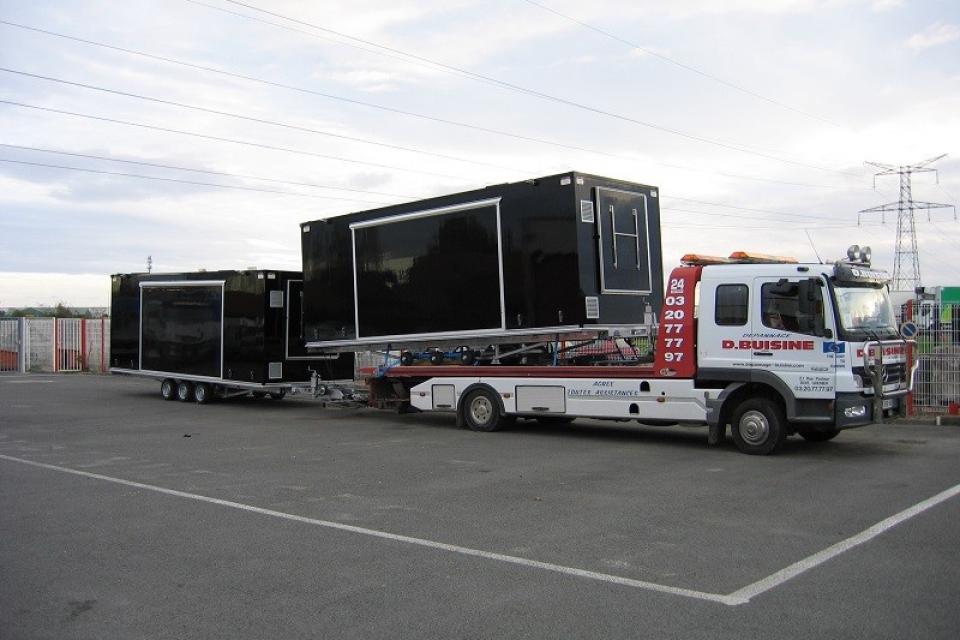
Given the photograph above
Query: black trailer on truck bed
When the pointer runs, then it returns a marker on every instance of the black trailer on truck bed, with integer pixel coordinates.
(565, 255)
(211, 333)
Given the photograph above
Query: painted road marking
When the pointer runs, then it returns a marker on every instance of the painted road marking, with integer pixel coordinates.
(738, 597)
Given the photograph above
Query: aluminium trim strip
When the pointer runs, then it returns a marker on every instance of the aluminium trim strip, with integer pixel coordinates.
(425, 213)
(183, 283)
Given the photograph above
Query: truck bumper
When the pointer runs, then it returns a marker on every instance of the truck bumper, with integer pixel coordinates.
(853, 410)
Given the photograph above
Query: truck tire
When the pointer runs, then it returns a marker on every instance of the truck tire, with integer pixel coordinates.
(481, 411)
(184, 391)
(406, 358)
(811, 434)
(203, 392)
(436, 357)
(468, 357)
(168, 389)
(759, 426)
(277, 395)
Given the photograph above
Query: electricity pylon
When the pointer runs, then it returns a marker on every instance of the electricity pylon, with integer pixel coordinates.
(906, 261)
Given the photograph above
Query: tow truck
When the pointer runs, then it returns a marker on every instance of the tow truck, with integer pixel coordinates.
(763, 344)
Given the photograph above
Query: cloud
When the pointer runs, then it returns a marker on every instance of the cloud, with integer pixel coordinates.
(934, 35)
(886, 5)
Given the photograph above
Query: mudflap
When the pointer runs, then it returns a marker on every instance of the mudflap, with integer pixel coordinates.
(716, 434)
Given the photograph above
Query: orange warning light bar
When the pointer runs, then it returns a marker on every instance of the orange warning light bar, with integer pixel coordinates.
(747, 257)
(696, 258)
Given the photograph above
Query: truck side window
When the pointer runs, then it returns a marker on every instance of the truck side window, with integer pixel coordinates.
(731, 307)
(780, 308)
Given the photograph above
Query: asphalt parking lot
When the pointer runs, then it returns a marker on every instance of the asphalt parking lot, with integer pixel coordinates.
(124, 516)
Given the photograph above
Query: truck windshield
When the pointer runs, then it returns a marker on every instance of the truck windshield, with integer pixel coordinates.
(865, 312)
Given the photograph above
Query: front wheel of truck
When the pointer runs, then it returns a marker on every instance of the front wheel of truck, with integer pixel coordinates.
(759, 426)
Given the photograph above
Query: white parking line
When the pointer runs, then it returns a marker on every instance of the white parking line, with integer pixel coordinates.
(741, 596)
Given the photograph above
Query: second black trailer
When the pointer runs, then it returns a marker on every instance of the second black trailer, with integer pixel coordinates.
(211, 333)
(563, 255)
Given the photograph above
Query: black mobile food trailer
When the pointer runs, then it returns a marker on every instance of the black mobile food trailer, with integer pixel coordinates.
(213, 333)
(561, 255)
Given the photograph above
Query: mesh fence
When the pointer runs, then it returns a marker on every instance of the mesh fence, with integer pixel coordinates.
(937, 382)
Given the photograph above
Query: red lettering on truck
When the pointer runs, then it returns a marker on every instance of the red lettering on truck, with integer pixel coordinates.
(769, 345)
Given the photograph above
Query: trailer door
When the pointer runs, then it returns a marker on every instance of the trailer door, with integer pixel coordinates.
(295, 340)
(624, 242)
(181, 327)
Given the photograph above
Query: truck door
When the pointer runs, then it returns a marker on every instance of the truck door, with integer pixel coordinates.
(724, 326)
(789, 336)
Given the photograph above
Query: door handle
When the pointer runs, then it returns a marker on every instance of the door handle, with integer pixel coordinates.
(763, 353)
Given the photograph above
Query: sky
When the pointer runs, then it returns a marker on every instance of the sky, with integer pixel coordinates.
(232, 122)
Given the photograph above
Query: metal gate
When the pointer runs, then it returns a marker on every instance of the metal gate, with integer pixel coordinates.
(69, 344)
(11, 345)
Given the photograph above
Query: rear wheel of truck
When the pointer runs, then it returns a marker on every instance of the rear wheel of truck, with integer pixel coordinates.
(811, 434)
(759, 426)
(168, 389)
(203, 392)
(481, 411)
(184, 391)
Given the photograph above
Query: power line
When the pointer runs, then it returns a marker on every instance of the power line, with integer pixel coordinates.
(389, 109)
(538, 94)
(290, 150)
(230, 140)
(730, 206)
(205, 171)
(686, 67)
(274, 123)
(732, 215)
(190, 182)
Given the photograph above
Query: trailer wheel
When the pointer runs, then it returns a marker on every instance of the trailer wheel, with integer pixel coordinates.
(168, 389)
(759, 426)
(811, 434)
(277, 395)
(184, 391)
(468, 356)
(202, 392)
(406, 358)
(481, 411)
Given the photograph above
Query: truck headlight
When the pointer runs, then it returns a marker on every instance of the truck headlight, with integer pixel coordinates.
(855, 412)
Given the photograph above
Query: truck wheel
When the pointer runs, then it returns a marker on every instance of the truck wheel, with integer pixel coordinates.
(202, 392)
(811, 434)
(436, 357)
(184, 391)
(481, 411)
(168, 389)
(406, 358)
(277, 395)
(759, 426)
(468, 356)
